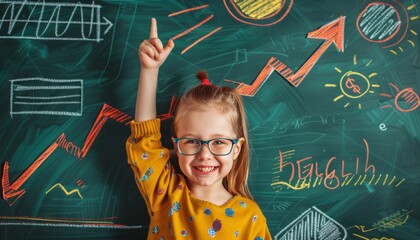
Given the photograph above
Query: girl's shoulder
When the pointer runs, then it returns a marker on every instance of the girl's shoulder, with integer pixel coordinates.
(248, 206)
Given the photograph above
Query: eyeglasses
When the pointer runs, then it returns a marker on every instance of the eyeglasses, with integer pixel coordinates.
(217, 146)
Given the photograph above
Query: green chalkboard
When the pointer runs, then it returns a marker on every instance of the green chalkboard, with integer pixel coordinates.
(331, 90)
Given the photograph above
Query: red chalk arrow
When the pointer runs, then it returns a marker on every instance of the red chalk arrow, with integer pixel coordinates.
(332, 32)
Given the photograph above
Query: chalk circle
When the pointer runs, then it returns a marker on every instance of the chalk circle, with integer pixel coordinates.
(258, 12)
(356, 79)
(407, 100)
(381, 23)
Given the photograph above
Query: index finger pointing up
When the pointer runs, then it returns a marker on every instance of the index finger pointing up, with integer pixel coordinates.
(153, 29)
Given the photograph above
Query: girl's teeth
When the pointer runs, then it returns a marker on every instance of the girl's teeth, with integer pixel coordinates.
(205, 169)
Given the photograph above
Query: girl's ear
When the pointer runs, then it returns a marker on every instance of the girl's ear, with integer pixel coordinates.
(237, 147)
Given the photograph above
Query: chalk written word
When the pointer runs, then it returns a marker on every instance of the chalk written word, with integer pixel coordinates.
(312, 224)
(68, 146)
(331, 177)
(301, 122)
(396, 219)
(353, 180)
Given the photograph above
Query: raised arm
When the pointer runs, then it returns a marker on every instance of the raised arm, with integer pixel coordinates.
(152, 55)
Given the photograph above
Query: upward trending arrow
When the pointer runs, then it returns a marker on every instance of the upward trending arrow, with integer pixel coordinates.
(332, 32)
(13, 190)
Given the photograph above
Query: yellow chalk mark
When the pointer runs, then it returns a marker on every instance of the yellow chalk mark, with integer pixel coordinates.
(412, 43)
(354, 234)
(337, 69)
(258, 9)
(316, 179)
(371, 92)
(392, 180)
(363, 180)
(414, 18)
(401, 49)
(360, 106)
(394, 52)
(379, 178)
(338, 98)
(354, 59)
(64, 190)
(373, 176)
(398, 184)
(347, 104)
(345, 180)
(297, 183)
(320, 181)
(370, 61)
(413, 32)
(352, 176)
(288, 185)
(376, 85)
(373, 74)
(386, 178)
(330, 85)
(411, 7)
(360, 176)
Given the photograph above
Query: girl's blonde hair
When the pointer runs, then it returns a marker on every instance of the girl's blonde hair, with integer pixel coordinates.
(230, 103)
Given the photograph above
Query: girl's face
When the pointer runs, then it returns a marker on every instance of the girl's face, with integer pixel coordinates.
(204, 168)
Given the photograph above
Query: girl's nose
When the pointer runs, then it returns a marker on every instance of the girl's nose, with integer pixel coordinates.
(204, 153)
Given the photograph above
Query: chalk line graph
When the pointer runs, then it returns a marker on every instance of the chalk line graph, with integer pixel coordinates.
(74, 191)
(12, 191)
(49, 21)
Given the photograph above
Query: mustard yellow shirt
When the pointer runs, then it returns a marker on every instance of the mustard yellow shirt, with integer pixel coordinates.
(174, 212)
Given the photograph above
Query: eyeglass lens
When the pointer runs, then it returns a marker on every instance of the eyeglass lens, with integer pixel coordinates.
(219, 146)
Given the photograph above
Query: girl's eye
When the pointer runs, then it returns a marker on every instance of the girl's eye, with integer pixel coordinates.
(192, 141)
(219, 142)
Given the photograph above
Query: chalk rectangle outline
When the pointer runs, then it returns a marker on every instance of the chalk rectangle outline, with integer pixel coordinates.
(24, 88)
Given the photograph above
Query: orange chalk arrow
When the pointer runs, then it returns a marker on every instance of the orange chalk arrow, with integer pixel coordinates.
(10, 191)
(332, 32)
(13, 191)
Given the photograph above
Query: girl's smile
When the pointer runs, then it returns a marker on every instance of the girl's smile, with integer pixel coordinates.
(205, 170)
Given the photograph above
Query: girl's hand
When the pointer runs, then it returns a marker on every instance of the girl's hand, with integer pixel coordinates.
(152, 54)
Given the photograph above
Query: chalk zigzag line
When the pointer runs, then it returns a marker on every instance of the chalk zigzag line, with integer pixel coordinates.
(65, 191)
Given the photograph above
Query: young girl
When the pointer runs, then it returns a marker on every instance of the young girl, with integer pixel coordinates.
(210, 199)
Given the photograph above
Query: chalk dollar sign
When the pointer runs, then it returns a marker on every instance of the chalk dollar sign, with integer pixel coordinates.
(350, 84)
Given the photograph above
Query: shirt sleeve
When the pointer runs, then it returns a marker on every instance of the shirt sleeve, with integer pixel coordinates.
(150, 162)
(264, 233)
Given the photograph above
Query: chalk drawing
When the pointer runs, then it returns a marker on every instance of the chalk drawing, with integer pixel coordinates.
(46, 96)
(313, 224)
(52, 21)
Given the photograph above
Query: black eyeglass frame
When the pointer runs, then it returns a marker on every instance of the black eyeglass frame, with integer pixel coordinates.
(176, 140)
